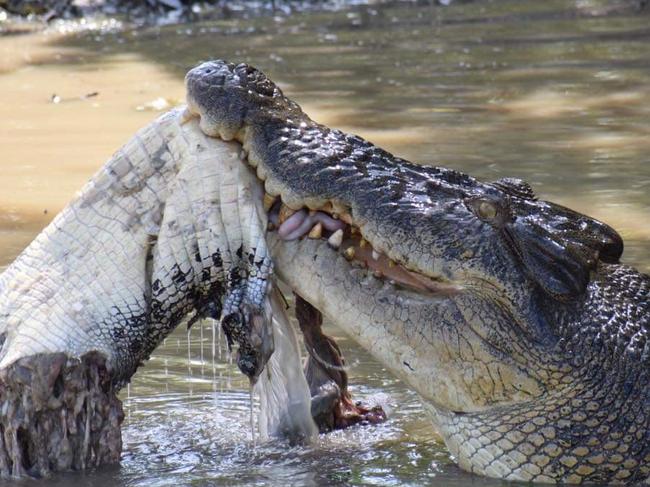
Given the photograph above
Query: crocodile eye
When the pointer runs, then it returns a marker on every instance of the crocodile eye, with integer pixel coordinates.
(487, 210)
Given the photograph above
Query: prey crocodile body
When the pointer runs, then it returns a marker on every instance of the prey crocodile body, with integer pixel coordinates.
(171, 226)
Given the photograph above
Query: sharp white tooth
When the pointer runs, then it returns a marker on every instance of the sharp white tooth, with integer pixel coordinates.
(316, 232)
(261, 172)
(375, 254)
(253, 160)
(271, 187)
(362, 243)
(349, 253)
(187, 115)
(268, 201)
(285, 212)
(346, 217)
(336, 239)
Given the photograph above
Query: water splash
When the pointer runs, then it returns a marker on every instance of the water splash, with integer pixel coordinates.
(285, 401)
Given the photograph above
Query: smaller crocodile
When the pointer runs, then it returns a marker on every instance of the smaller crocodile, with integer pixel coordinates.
(172, 228)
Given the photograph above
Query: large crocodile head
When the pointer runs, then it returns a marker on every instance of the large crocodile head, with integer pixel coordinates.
(509, 315)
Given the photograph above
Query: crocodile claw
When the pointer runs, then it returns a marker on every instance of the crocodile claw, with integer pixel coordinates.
(250, 328)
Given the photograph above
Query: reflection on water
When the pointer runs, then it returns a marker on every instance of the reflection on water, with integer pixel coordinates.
(554, 92)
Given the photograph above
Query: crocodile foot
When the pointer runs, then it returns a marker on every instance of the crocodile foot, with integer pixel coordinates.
(332, 406)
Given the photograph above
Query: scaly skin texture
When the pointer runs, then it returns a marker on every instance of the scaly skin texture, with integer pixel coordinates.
(532, 353)
(171, 227)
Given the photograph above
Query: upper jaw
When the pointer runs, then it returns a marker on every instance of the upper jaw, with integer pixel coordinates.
(327, 217)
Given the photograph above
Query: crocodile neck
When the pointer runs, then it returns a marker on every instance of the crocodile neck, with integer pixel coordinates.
(593, 423)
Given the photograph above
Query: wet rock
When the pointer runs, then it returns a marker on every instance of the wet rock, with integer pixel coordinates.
(57, 414)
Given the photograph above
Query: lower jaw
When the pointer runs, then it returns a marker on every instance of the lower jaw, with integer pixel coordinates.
(358, 303)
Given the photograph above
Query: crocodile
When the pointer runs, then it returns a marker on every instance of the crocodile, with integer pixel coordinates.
(512, 317)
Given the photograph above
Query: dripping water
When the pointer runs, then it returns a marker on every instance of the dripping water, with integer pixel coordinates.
(252, 412)
(128, 401)
(214, 333)
(189, 352)
(202, 355)
(219, 340)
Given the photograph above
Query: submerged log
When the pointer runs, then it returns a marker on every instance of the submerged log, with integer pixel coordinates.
(58, 413)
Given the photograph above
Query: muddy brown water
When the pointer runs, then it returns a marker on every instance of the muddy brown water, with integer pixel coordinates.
(555, 92)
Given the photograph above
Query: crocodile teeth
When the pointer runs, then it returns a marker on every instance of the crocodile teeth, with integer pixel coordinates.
(375, 254)
(345, 217)
(391, 263)
(363, 243)
(285, 213)
(261, 173)
(187, 115)
(336, 239)
(316, 232)
(268, 201)
(349, 253)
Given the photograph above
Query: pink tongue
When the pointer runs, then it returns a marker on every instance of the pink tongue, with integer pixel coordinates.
(301, 222)
(295, 226)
